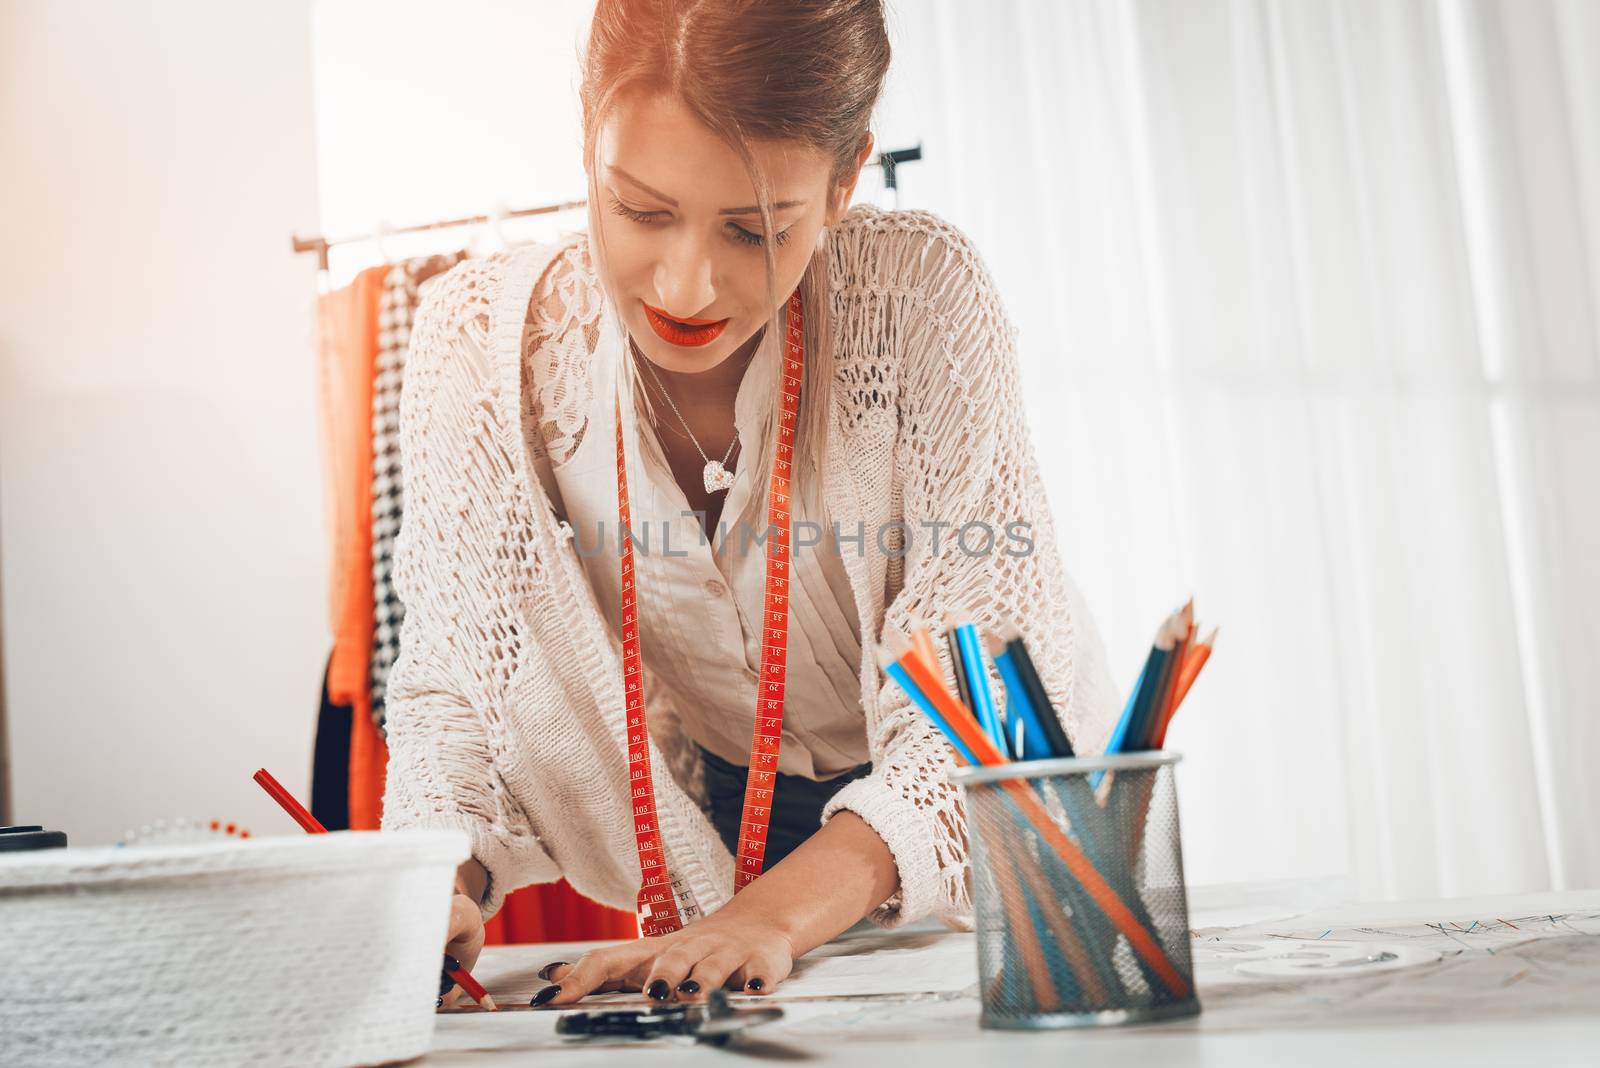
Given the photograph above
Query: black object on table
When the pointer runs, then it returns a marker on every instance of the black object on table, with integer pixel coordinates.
(714, 1022)
(21, 838)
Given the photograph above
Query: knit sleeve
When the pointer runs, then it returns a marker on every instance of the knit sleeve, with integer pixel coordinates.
(979, 542)
(455, 561)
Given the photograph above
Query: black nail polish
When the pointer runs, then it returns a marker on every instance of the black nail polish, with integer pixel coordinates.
(445, 983)
(544, 973)
(755, 984)
(688, 986)
(544, 995)
(659, 990)
(439, 1002)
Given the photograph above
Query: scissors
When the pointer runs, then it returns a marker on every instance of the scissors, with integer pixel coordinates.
(713, 1023)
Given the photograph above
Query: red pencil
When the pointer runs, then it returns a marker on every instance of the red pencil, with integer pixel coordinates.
(306, 820)
(283, 797)
(474, 989)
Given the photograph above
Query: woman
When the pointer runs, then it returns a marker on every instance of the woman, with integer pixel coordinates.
(775, 360)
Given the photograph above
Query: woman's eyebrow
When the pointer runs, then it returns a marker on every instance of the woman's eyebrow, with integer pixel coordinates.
(753, 209)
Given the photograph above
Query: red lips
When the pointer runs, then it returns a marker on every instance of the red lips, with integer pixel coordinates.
(688, 332)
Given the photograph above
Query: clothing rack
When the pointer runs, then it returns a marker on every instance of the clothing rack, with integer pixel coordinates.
(320, 245)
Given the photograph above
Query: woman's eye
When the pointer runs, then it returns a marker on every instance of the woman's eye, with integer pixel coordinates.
(741, 234)
(738, 233)
(626, 212)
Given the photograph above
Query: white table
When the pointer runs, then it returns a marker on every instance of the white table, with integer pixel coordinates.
(1461, 1010)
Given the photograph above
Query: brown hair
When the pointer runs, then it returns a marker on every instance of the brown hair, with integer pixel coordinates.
(764, 70)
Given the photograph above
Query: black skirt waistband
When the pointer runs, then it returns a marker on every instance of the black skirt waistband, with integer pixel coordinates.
(797, 804)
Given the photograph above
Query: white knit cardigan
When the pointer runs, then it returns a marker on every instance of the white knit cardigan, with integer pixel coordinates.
(505, 707)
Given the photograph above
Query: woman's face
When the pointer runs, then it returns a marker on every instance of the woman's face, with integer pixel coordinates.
(683, 235)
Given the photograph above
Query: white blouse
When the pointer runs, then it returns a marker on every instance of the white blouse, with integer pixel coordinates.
(699, 600)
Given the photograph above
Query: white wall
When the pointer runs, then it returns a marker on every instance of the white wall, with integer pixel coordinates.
(428, 111)
(161, 512)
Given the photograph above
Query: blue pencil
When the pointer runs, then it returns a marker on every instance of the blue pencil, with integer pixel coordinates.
(1035, 743)
(898, 674)
(1055, 738)
(1119, 734)
(978, 685)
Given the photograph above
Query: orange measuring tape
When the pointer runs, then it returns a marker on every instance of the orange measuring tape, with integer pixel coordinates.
(658, 905)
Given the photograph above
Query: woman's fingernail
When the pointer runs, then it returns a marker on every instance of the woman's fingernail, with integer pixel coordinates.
(544, 995)
(659, 990)
(754, 984)
(688, 986)
(438, 1002)
(544, 973)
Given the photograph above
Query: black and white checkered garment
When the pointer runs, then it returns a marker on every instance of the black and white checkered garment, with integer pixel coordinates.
(396, 310)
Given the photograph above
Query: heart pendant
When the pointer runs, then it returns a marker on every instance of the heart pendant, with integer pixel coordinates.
(717, 477)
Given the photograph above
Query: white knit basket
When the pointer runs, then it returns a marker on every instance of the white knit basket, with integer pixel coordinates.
(313, 950)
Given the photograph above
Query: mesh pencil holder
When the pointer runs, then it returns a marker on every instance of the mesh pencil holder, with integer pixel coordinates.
(1077, 873)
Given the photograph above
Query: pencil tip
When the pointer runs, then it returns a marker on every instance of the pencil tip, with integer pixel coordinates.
(893, 646)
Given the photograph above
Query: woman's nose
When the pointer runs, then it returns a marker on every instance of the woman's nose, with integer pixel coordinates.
(683, 280)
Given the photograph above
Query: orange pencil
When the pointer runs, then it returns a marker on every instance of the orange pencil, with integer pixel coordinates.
(922, 642)
(1169, 694)
(1192, 663)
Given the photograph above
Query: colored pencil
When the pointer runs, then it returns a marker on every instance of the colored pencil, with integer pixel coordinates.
(1035, 743)
(922, 641)
(1118, 741)
(971, 667)
(1090, 970)
(297, 812)
(1198, 655)
(311, 825)
(896, 671)
(952, 646)
(1161, 709)
(1153, 682)
(1033, 686)
(474, 989)
(1019, 921)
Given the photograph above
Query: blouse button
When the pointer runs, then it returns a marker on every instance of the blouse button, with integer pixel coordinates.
(715, 588)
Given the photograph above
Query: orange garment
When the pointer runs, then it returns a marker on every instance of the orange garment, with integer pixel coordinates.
(555, 912)
(347, 333)
(369, 758)
(347, 347)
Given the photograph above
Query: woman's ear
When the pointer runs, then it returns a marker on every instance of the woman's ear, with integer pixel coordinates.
(839, 198)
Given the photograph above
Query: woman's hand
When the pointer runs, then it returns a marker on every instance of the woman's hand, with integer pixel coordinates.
(750, 943)
(724, 949)
(465, 938)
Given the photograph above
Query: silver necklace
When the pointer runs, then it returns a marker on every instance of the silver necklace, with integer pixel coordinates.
(716, 473)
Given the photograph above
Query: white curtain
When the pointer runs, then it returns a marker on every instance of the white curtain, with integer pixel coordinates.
(1309, 294)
